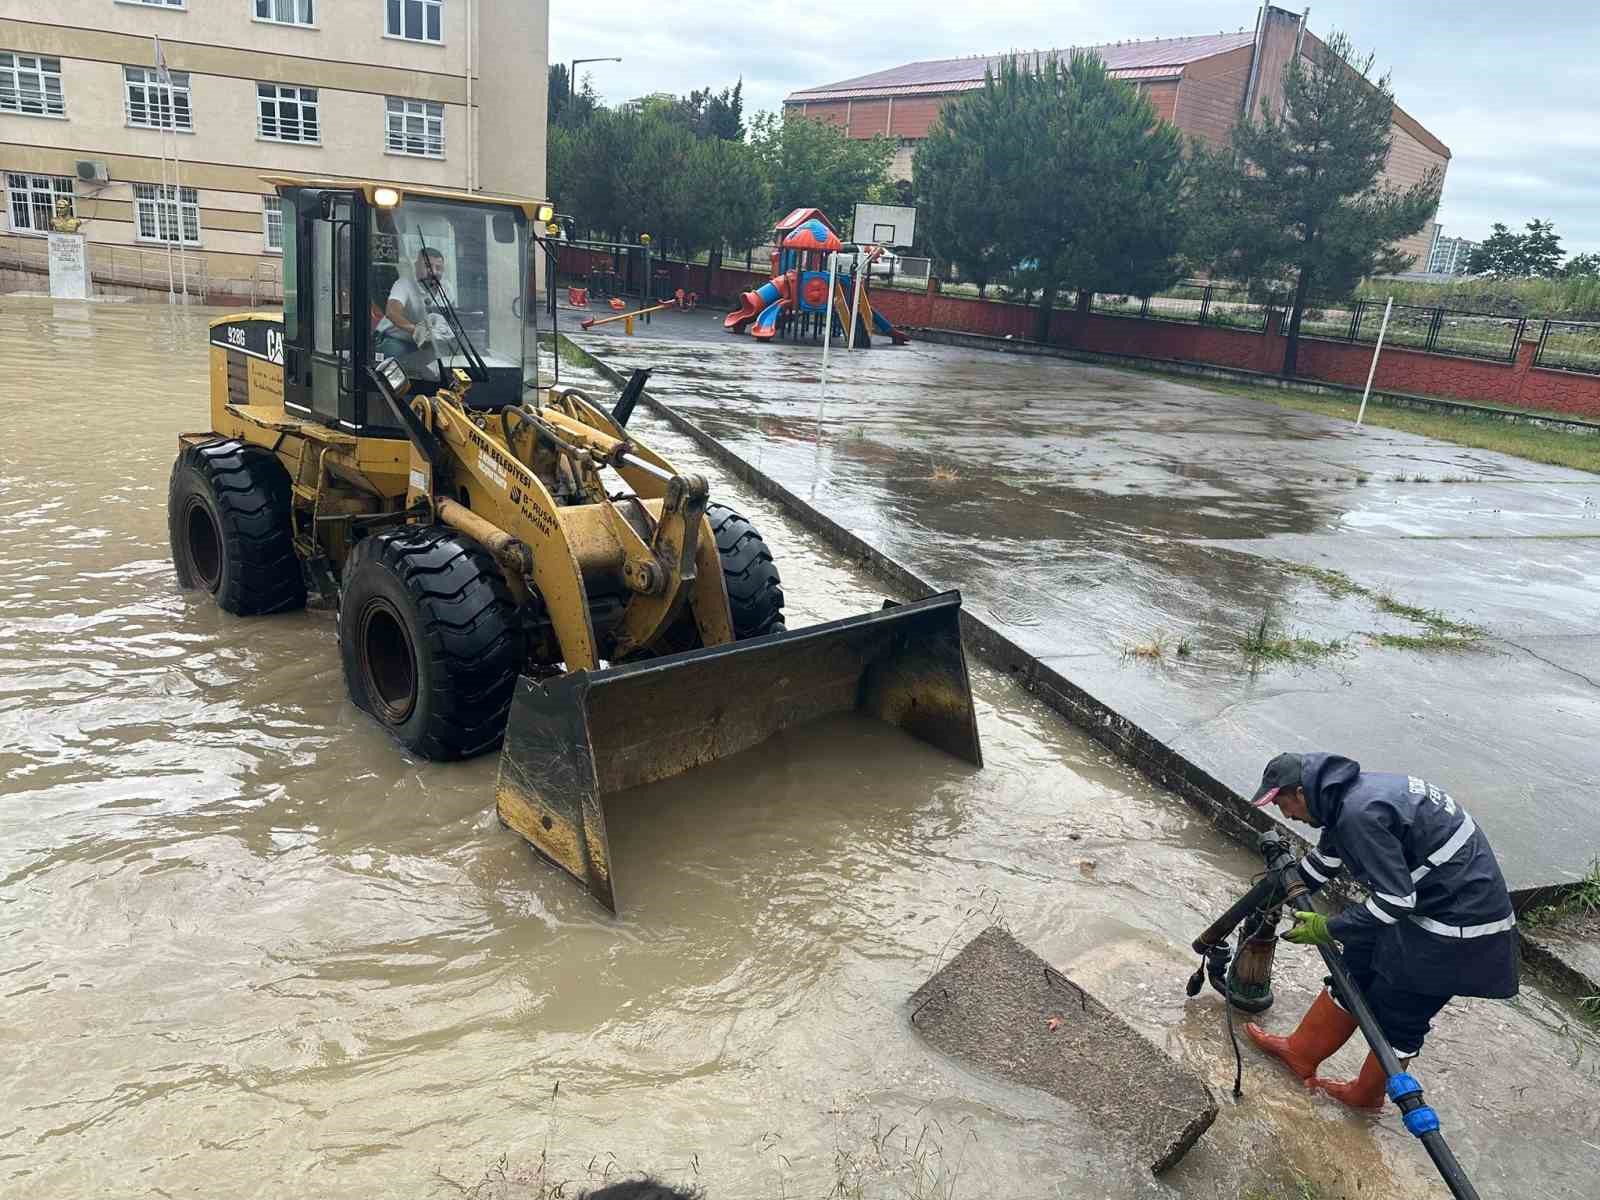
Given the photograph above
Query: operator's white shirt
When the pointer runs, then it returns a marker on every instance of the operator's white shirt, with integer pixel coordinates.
(416, 300)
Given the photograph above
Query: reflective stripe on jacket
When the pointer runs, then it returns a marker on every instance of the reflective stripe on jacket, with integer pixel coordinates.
(1437, 908)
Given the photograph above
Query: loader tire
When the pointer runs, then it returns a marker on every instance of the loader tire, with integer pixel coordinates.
(755, 594)
(228, 517)
(429, 639)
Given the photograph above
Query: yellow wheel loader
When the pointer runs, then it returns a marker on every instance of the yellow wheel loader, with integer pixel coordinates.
(508, 563)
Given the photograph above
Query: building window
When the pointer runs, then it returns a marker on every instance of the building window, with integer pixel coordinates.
(415, 20)
(286, 12)
(157, 3)
(415, 127)
(156, 105)
(31, 85)
(272, 223)
(162, 210)
(33, 200)
(287, 114)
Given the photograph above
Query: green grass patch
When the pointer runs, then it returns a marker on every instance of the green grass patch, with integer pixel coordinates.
(1269, 643)
(1336, 583)
(1582, 902)
(1559, 299)
(1435, 630)
(1553, 446)
(1421, 641)
(1434, 621)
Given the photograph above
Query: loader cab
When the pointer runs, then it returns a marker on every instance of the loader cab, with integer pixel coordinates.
(437, 280)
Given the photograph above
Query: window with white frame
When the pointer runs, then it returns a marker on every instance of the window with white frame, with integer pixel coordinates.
(164, 213)
(272, 223)
(152, 104)
(415, 127)
(287, 114)
(287, 12)
(31, 85)
(33, 200)
(157, 3)
(416, 20)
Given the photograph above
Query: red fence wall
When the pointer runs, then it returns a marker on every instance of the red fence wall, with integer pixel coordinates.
(1512, 385)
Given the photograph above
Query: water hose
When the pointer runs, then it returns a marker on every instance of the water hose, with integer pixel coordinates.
(1282, 884)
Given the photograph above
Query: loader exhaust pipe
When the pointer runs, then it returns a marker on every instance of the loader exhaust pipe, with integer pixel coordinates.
(573, 741)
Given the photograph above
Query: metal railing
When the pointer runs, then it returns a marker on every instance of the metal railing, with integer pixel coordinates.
(1413, 327)
(145, 267)
(1569, 346)
(1192, 301)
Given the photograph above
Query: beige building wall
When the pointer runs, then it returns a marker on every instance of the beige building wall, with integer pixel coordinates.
(496, 145)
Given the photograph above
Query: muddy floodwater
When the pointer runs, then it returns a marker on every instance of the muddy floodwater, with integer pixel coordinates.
(252, 949)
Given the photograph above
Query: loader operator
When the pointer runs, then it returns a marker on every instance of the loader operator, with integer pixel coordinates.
(412, 320)
(1438, 922)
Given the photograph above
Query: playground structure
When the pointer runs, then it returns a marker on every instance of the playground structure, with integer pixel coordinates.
(795, 302)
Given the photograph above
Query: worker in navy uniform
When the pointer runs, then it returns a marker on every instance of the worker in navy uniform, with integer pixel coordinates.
(1437, 922)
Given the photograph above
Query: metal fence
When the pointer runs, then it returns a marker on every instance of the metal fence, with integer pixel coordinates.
(147, 269)
(1569, 346)
(1197, 302)
(1432, 330)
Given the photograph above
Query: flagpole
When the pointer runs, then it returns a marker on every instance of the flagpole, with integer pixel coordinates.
(161, 191)
(169, 122)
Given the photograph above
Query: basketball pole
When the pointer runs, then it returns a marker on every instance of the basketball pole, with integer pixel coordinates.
(855, 306)
(827, 322)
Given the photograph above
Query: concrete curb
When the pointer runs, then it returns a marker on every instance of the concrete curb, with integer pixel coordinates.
(1566, 975)
(1176, 366)
(1229, 812)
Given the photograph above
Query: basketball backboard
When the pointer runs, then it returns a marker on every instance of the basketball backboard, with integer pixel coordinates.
(891, 225)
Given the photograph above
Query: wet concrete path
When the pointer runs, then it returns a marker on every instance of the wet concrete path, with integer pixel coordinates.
(1135, 534)
(252, 949)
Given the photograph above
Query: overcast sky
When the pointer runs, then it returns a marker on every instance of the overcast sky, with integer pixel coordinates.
(1512, 89)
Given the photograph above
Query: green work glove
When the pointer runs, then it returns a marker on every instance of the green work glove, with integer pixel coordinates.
(1310, 929)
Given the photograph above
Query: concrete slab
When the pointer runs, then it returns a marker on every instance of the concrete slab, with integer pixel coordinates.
(1001, 1008)
(1087, 513)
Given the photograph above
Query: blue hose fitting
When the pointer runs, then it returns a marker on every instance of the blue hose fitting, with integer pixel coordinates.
(1420, 1119)
(1403, 1084)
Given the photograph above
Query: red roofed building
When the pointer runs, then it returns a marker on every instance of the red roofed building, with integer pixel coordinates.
(1201, 84)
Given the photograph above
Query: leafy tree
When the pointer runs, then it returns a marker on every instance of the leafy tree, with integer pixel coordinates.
(1582, 266)
(565, 108)
(813, 164)
(1061, 175)
(1498, 255)
(1297, 197)
(724, 202)
(1541, 249)
(1507, 255)
(719, 115)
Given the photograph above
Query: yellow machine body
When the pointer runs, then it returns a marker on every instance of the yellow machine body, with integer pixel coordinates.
(632, 672)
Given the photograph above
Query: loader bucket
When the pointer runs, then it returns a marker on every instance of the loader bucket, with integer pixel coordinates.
(573, 741)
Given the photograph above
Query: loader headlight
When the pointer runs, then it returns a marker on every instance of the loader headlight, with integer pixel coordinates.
(385, 197)
(547, 213)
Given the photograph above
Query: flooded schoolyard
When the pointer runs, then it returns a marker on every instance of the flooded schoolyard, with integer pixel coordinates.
(253, 949)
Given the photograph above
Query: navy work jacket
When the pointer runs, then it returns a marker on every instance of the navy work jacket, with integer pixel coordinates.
(1438, 914)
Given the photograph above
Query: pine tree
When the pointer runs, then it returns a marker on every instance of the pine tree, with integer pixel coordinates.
(1058, 174)
(1297, 197)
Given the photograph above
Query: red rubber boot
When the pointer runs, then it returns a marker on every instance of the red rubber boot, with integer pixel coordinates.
(1367, 1090)
(1323, 1029)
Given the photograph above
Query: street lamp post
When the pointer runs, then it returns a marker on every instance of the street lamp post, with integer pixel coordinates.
(572, 75)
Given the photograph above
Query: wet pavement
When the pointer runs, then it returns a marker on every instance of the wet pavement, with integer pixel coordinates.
(1134, 534)
(252, 949)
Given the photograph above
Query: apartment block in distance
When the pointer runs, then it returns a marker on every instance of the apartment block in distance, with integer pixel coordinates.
(447, 93)
(1201, 84)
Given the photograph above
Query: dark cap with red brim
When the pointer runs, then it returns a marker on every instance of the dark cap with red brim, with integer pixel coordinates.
(1282, 772)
